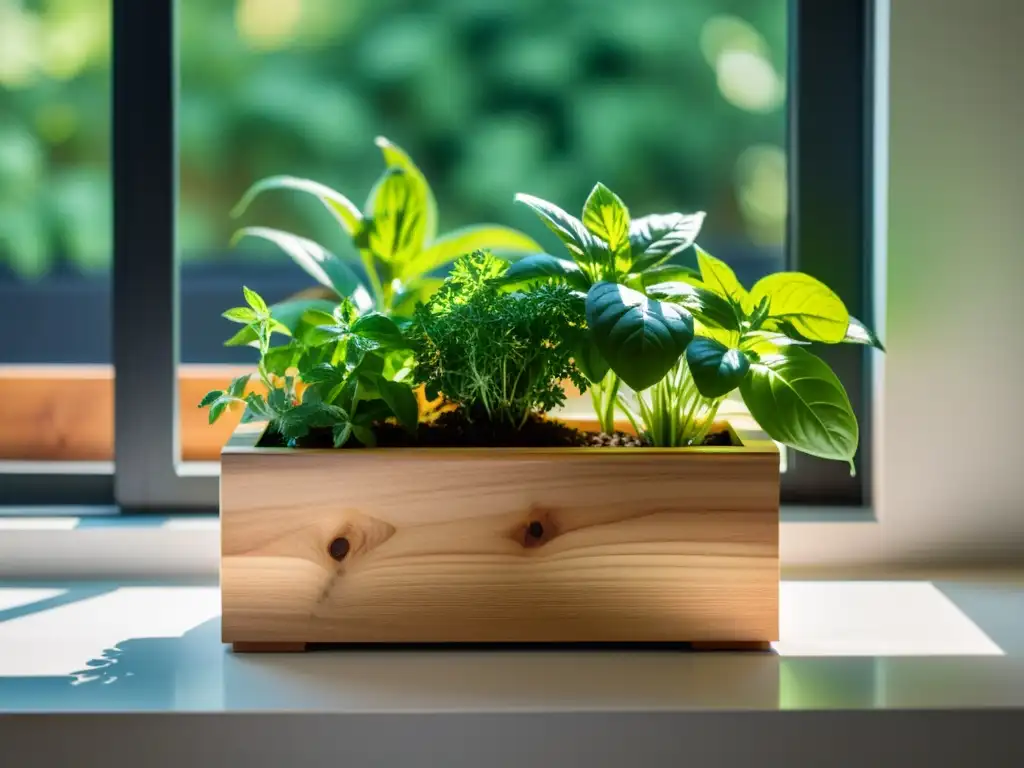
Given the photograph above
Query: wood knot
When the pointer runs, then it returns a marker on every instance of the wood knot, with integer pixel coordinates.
(538, 529)
(339, 548)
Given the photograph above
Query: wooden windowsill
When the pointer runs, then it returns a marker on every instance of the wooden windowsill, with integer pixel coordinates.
(66, 412)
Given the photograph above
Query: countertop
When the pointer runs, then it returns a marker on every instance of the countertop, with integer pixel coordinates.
(847, 646)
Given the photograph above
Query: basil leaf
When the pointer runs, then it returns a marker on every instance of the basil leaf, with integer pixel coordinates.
(543, 267)
(716, 369)
(719, 278)
(797, 399)
(607, 218)
(810, 306)
(639, 337)
(657, 238)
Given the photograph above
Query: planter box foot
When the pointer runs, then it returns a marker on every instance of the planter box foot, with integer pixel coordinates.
(731, 645)
(268, 647)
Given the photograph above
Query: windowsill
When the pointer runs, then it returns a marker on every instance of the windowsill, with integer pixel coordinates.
(98, 646)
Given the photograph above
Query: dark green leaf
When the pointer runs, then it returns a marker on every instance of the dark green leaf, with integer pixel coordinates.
(799, 401)
(607, 218)
(210, 397)
(277, 401)
(639, 337)
(706, 306)
(380, 328)
(658, 237)
(237, 386)
(217, 408)
(588, 357)
(241, 315)
(810, 306)
(256, 408)
(716, 369)
(402, 402)
(542, 266)
(364, 435)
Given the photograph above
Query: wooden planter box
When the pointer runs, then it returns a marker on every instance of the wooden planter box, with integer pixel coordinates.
(499, 545)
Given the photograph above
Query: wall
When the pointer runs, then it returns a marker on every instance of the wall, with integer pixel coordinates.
(951, 484)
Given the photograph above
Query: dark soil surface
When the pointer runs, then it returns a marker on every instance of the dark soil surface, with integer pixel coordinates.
(453, 430)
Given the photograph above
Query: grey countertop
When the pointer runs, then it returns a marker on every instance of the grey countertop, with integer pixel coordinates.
(104, 646)
(866, 673)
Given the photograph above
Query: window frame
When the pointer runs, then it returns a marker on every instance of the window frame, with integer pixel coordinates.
(831, 128)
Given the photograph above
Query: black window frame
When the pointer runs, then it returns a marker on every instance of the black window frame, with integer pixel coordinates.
(830, 78)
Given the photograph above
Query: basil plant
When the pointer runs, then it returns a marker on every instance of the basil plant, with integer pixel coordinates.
(395, 235)
(666, 344)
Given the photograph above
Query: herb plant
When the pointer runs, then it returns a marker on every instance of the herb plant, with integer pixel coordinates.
(338, 371)
(610, 252)
(496, 354)
(667, 344)
(395, 235)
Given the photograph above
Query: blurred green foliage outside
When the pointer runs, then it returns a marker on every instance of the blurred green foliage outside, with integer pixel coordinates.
(677, 105)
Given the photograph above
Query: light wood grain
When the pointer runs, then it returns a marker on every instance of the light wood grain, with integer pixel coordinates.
(655, 545)
(66, 412)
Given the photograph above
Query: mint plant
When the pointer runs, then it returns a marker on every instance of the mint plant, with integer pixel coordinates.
(395, 235)
(339, 370)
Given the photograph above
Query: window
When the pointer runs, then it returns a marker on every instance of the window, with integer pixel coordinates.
(55, 247)
(736, 108)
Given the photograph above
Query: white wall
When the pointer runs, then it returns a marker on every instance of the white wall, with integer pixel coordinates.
(951, 484)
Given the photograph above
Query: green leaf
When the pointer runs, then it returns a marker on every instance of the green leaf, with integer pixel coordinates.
(347, 214)
(448, 247)
(280, 359)
(210, 397)
(543, 267)
(810, 306)
(716, 369)
(670, 273)
(639, 337)
(858, 333)
(255, 301)
(396, 157)
(607, 217)
(217, 408)
(658, 237)
(705, 305)
(395, 234)
(719, 278)
(416, 292)
(402, 401)
(319, 263)
(588, 357)
(799, 401)
(570, 230)
(341, 433)
(241, 315)
(256, 409)
(364, 435)
(380, 328)
(237, 386)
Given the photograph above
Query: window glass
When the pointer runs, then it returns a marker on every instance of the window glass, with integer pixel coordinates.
(674, 105)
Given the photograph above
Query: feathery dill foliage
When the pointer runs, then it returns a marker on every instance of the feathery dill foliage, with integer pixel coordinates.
(497, 355)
